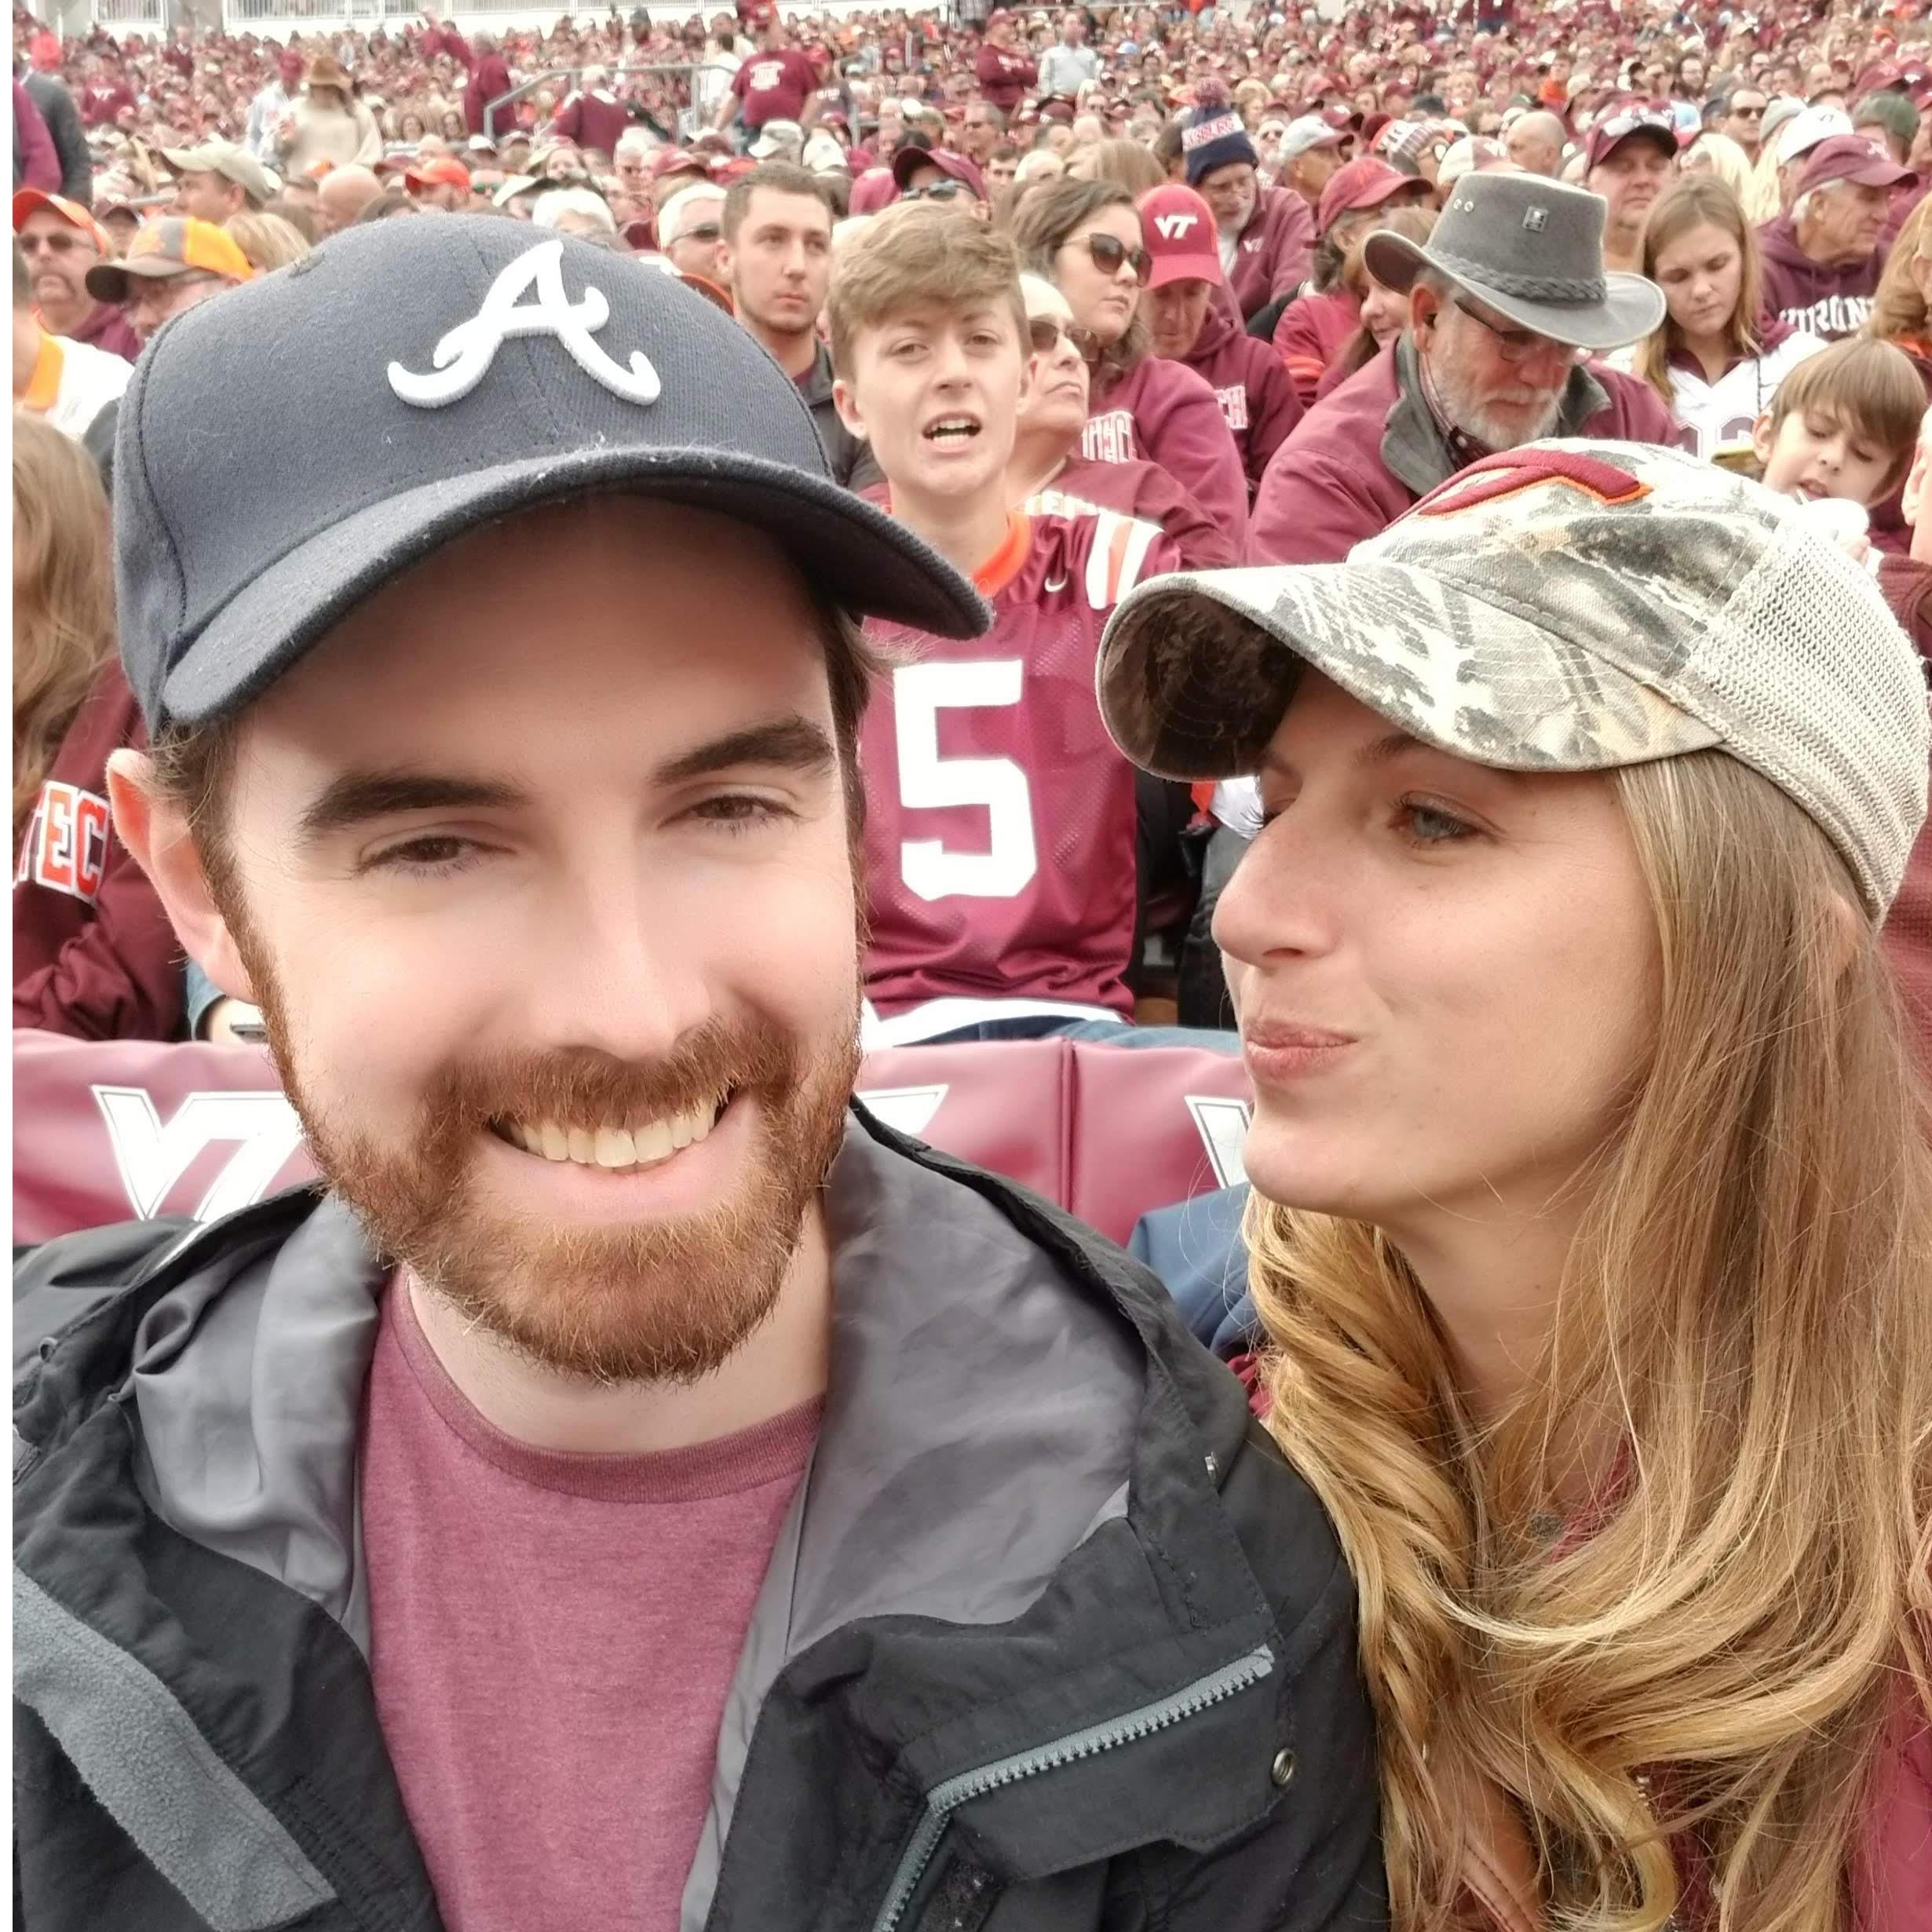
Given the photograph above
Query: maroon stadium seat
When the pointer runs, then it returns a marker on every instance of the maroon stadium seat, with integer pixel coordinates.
(112, 1130)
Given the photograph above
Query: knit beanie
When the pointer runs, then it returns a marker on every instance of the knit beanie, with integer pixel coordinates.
(1212, 135)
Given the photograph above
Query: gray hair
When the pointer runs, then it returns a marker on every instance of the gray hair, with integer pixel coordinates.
(551, 207)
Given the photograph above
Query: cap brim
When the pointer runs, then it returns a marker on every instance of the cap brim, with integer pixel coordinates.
(1185, 269)
(853, 554)
(108, 282)
(1631, 306)
(1880, 174)
(1195, 673)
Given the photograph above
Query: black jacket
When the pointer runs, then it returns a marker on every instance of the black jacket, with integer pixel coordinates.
(1110, 1683)
(850, 456)
(70, 142)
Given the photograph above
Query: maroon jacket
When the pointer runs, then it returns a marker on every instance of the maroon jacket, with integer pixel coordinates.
(1004, 75)
(1362, 456)
(1143, 491)
(1830, 300)
(36, 162)
(1311, 334)
(489, 80)
(94, 954)
(106, 327)
(1276, 248)
(445, 37)
(592, 122)
(1161, 413)
(1256, 394)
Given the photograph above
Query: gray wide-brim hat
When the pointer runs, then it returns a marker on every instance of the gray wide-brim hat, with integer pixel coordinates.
(1531, 249)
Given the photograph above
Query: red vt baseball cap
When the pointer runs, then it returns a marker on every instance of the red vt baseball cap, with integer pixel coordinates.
(1177, 226)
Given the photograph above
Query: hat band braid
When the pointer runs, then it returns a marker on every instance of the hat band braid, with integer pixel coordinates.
(1534, 288)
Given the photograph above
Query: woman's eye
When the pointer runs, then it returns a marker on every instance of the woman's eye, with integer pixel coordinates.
(1427, 824)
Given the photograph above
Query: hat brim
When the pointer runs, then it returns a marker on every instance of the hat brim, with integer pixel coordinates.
(1630, 308)
(852, 553)
(1195, 673)
(108, 282)
(1203, 268)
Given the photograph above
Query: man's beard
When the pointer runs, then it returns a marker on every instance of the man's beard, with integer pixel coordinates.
(1479, 424)
(660, 1300)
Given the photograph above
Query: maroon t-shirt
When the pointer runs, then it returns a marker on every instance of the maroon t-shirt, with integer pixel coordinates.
(775, 86)
(553, 1639)
(999, 825)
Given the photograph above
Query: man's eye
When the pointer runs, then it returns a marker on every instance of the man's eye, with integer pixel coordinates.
(740, 812)
(436, 853)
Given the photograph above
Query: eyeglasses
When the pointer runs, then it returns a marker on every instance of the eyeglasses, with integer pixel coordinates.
(1519, 345)
(1045, 332)
(936, 191)
(55, 242)
(1109, 252)
(704, 232)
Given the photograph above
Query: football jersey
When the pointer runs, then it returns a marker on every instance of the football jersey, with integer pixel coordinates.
(999, 834)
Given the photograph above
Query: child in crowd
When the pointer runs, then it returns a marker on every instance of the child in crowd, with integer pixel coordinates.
(1000, 822)
(1844, 424)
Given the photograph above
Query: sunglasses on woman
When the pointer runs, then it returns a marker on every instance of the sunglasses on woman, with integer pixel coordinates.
(1108, 251)
(1045, 333)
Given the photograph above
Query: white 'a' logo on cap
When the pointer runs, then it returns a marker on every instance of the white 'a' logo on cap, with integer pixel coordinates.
(1173, 226)
(463, 356)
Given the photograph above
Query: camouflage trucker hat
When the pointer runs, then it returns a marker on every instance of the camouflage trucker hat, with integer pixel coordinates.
(1569, 606)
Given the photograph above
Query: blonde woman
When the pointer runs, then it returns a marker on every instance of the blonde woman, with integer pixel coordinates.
(1591, 1231)
(1902, 310)
(268, 240)
(1716, 358)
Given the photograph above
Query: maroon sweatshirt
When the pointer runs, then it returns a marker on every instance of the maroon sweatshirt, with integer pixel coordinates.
(1255, 392)
(36, 163)
(1144, 490)
(1311, 334)
(94, 953)
(592, 122)
(1331, 485)
(489, 80)
(1833, 300)
(1004, 74)
(1276, 248)
(1160, 412)
(106, 327)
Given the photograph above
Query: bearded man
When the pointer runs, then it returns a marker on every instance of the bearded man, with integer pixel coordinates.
(637, 1488)
(1480, 367)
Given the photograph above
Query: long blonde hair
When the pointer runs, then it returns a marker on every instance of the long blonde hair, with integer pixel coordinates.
(1700, 201)
(1706, 1663)
(1898, 310)
(63, 597)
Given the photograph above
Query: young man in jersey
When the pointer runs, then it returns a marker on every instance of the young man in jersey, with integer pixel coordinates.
(636, 1489)
(1000, 867)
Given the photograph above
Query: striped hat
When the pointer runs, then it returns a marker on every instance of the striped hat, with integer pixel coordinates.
(175, 245)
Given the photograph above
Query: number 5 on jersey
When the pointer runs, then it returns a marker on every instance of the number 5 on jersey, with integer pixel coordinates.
(920, 693)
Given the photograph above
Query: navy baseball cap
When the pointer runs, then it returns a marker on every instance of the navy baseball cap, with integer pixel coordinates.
(287, 448)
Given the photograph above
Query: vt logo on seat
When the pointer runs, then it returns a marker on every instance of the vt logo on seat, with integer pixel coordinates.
(462, 358)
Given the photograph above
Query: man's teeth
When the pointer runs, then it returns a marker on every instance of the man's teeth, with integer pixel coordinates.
(641, 1144)
(954, 425)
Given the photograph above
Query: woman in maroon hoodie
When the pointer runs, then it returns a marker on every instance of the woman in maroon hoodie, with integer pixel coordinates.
(93, 955)
(1086, 238)
(1189, 326)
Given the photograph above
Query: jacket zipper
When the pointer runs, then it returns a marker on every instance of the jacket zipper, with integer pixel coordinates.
(945, 1798)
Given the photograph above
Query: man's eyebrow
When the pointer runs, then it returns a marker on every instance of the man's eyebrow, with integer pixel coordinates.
(358, 798)
(792, 743)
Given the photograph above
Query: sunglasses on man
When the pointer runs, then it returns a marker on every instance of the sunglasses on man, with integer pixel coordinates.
(938, 190)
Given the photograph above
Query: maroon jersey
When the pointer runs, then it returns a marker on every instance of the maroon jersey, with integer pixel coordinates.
(999, 827)
(775, 86)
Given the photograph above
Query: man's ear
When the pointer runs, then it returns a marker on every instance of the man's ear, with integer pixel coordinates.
(154, 829)
(847, 404)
